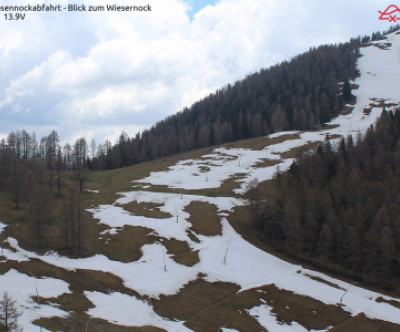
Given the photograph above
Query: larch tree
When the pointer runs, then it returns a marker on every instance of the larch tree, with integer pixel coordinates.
(9, 314)
(80, 158)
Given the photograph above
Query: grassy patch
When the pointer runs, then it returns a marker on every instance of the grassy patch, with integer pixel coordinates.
(181, 252)
(297, 151)
(76, 302)
(6, 266)
(324, 282)
(226, 188)
(391, 302)
(288, 307)
(195, 297)
(125, 246)
(204, 169)
(256, 143)
(79, 280)
(229, 185)
(188, 258)
(308, 312)
(367, 110)
(204, 218)
(283, 138)
(104, 282)
(360, 323)
(76, 322)
(209, 306)
(330, 126)
(231, 311)
(382, 104)
(259, 143)
(40, 269)
(145, 209)
(347, 110)
(267, 163)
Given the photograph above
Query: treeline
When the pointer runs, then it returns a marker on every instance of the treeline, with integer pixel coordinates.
(31, 175)
(299, 94)
(339, 208)
(302, 93)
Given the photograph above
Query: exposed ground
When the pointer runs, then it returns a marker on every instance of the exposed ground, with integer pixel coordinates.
(170, 247)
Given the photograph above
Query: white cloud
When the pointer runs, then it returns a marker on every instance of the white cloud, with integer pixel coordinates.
(9, 42)
(123, 98)
(134, 69)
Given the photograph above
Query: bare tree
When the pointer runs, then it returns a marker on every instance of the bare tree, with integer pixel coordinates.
(93, 148)
(9, 314)
(67, 153)
(51, 155)
(74, 226)
(80, 159)
(59, 169)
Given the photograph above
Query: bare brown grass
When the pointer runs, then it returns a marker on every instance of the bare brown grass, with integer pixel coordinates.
(204, 218)
(209, 306)
(145, 209)
(347, 110)
(310, 313)
(259, 143)
(204, 305)
(297, 151)
(391, 302)
(324, 281)
(330, 126)
(76, 302)
(79, 322)
(267, 163)
(195, 297)
(124, 246)
(181, 252)
(360, 323)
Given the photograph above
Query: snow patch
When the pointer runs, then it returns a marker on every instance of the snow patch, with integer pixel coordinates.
(22, 288)
(127, 310)
(264, 315)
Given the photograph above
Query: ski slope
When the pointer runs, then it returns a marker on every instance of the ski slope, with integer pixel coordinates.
(226, 257)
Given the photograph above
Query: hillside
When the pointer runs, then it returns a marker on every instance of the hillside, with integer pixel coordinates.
(299, 94)
(337, 208)
(164, 251)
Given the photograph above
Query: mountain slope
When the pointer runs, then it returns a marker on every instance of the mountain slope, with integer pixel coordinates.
(310, 89)
(193, 271)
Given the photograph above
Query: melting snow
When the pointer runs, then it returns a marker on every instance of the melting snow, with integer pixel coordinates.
(266, 318)
(25, 288)
(123, 309)
(227, 257)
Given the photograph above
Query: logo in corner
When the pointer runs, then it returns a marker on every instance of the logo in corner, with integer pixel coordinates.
(390, 14)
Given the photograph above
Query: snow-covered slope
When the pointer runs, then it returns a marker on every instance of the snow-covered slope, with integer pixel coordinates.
(226, 257)
(378, 86)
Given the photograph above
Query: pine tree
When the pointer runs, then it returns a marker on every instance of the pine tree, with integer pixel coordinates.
(346, 92)
(338, 207)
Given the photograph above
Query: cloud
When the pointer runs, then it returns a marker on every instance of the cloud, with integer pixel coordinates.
(95, 71)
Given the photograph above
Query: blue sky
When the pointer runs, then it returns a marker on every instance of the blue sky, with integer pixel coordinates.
(98, 74)
(197, 5)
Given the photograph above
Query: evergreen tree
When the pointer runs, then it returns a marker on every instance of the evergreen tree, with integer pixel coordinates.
(339, 206)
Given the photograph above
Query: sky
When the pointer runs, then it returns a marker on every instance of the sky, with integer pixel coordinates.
(96, 74)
